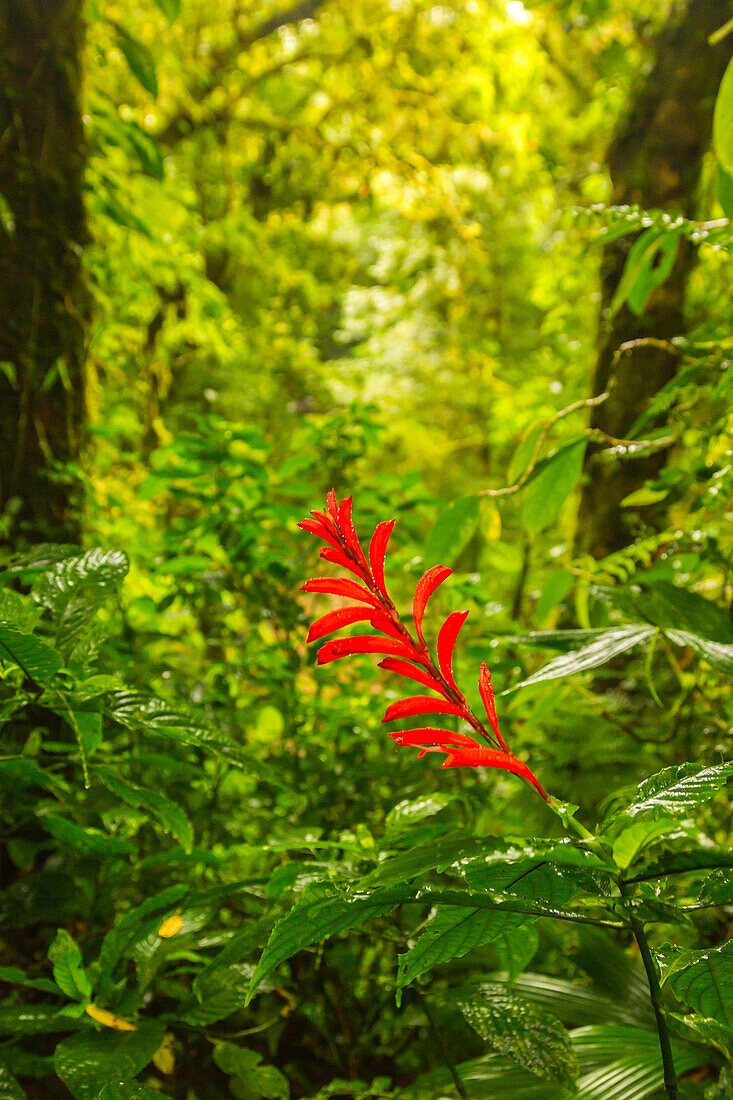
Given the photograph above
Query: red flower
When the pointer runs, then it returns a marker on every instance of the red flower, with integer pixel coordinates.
(404, 654)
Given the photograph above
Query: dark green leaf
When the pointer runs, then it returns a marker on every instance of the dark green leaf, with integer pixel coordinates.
(139, 59)
(170, 815)
(9, 1087)
(253, 1079)
(88, 1061)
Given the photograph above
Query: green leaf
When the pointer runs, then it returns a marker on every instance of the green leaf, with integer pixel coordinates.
(527, 1035)
(171, 816)
(451, 934)
(436, 854)
(170, 8)
(88, 1061)
(717, 889)
(128, 1090)
(723, 121)
(551, 484)
(606, 646)
(36, 659)
(624, 1063)
(33, 1020)
(573, 1002)
(453, 530)
(678, 789)
(717, 655)
(68, 968)
(639, 835)
(704, 981)
(416, 809)
(480, 919)
(641, 498)
(139, 59)
(89, 842)
(74, 589)
(253, 1080)
(725, 191)
(322, 913)
(516, 949)
(130, 927)
(672, 607)
(9, 1087)
(15, 976)
(693, 858)
(155, 718)
(649, 263)
(219, 992)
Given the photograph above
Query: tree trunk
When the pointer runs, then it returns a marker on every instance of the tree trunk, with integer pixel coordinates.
(655, 161)
(42, 298)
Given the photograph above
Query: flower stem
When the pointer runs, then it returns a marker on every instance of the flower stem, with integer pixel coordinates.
(655, 995)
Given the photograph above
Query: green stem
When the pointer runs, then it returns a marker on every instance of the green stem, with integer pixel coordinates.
(460, 1087)
(655, 994)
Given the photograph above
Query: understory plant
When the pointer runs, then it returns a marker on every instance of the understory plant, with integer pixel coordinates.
(645, 874)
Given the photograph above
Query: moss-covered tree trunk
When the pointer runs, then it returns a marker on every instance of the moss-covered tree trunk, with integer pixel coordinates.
(42, 232)
(655, 161)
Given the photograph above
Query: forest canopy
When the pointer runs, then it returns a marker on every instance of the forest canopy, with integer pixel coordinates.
(366, 583)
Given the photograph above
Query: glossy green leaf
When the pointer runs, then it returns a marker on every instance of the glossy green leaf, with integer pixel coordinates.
(718, 655)
(639, 835)
(128, 1090)
(68, 968)
(36, 659)
(680, 788)
(34, 1020)
(73, 590)
(704, 981)
(606, 646)
(525, 1034)
(649, 263)
(89, 1060)
(451, 934)
(551, 484)
(436, 854)
(717, 888)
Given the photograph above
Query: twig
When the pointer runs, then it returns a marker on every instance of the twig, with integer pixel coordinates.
(587, 403)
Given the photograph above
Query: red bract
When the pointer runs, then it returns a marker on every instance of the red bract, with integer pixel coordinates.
(407, 656)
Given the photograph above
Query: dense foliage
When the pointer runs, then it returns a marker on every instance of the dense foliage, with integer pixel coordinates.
(358, 245)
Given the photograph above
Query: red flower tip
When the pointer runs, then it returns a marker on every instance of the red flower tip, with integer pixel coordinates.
(402, 654)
